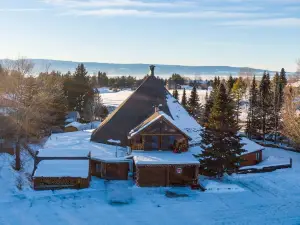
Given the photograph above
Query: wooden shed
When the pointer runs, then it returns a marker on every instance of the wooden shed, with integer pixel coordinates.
(61, 154)
(154, 169)
(74, 126)
(253, 153)
(110, 169)
(60, 174)
(251, 158)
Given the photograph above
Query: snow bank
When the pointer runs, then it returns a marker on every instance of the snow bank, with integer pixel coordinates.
(62, 168)
(219, 186)
(270, 161)
(163, 157)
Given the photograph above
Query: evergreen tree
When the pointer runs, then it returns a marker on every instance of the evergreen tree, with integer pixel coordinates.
(193, 104)
(253, 120)
(266, 104)
(220, 138)
(230, 82)
(184, 100)
(281, 86)
(238, 91)
(175, 93)
(76, 89)
(209, 101)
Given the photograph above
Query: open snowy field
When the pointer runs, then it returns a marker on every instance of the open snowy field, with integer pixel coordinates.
(266, 198)
(111, 98)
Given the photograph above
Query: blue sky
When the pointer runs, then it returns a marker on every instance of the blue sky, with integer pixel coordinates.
(257, 33)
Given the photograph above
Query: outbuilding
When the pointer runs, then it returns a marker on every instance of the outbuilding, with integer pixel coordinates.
(165, 168)
(59, 174)
(74, 126)
(111, 169)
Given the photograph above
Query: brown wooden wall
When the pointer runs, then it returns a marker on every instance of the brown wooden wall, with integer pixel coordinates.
(251, 158)
(110, 170)
(70, 129)
(162, 130)
(166, 175)
(51, 183)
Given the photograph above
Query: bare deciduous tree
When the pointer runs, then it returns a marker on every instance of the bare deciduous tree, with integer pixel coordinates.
(291, 115)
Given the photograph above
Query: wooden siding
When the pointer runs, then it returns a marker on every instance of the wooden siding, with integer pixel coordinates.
(70, 129)
(166, 175)
(52, 183)
(110, 170)
(161, 130)
(252, 158)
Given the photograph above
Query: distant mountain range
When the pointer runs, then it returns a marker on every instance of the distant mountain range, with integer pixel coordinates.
(138, 69)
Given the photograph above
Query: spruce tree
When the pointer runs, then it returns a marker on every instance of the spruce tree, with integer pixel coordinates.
(209, 102)
(175, 93)
(79, 87)
(266, 105)
(281, 86)
(220, 138)
(230, 83)
(253, 120)
(193, 104)
(238, 91)
(184, 100)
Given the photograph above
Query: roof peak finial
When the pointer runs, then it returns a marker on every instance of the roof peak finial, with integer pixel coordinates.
(152, 67)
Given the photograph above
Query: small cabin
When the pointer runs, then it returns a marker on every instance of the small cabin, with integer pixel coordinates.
(158, 132)
(60, 174)
(74, 126)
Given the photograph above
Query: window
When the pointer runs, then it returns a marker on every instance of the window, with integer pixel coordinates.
(257, 156)
(98, 168)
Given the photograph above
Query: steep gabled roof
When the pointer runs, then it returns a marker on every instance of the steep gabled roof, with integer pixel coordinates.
(133, 111)
(153, 118)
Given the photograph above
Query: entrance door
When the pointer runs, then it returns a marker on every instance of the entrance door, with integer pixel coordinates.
(155, 142)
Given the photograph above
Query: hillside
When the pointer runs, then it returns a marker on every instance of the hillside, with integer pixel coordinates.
(136, 69)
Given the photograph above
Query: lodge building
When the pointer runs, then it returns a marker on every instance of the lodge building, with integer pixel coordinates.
(157, 144)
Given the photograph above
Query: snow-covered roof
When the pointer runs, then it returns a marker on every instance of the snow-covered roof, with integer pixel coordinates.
(69, 120)
(73, 115)
(154, 118)
(62, 168)
(163, 157)
(183, 120)
(250, 146)
(62, 152)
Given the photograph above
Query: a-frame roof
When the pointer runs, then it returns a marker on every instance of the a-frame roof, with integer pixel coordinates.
(133, 111)
(152, 119)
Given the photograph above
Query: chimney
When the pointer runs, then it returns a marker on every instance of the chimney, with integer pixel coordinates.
(152, 67)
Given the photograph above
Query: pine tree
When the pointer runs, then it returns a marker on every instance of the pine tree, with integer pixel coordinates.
(253, 120)
(175, 93)
(238, 91)
(76, 88)
(193, 103)
(282, 84)
(184, 100)
(220, 138)
(266, 105)
(230, 83)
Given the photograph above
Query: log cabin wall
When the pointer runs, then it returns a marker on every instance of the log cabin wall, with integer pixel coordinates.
(161, 135)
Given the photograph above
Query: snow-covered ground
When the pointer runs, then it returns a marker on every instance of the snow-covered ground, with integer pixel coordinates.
(265, 198)
(111, 98)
